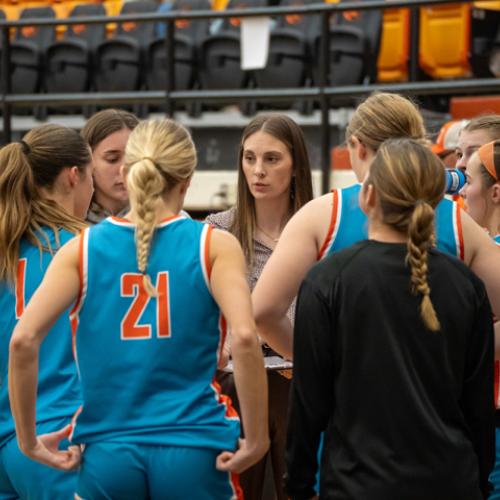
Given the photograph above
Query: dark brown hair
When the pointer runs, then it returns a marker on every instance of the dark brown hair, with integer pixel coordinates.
(107, 122)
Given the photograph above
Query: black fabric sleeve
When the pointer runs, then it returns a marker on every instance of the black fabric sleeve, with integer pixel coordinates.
(312, 394)
(477, 399)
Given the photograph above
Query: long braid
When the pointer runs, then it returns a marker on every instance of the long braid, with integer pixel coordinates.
(409, 183)
(159, 155)
(147, 184)
(420, 239)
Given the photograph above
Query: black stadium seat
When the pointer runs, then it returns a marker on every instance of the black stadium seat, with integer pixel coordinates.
(69, 61)
(187, 39)
(120, 60)
(220, 53)
(290, 51)
(28, 49)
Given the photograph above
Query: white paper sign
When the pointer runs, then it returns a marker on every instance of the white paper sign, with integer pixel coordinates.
(255, 33)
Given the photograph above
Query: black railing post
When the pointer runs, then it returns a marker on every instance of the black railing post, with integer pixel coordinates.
(169, 41)
(413, 72)
(324, 72)
(7, 111)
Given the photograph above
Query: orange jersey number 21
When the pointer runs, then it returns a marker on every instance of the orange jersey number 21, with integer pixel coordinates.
(131, 286)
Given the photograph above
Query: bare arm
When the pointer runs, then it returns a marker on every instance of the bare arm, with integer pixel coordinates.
(56, 293)
(296, 252)
(482, 255)
(231, 292)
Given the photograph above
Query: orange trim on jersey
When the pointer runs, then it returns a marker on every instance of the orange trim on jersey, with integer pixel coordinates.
(225, 400)
(459, 233)
(20, 283)
(333, 219)
(206, 256)
(234, 479)
(80, 273)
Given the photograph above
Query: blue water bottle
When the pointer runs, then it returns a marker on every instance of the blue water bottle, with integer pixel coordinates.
(455, 180)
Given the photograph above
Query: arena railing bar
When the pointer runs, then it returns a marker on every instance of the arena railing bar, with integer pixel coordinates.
(322, 93)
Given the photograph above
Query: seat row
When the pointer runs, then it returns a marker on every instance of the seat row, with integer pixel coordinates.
(207, 54)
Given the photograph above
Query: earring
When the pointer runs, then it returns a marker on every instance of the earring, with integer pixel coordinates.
(292, 189)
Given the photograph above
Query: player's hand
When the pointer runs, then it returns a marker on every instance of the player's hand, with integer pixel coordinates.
(46, 450)
(242, 458)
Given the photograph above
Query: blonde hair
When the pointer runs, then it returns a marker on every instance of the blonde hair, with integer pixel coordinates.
(25, 168)
(487, 123)
(284, 129)
(159, 155)
(409, 181)
(385, 116)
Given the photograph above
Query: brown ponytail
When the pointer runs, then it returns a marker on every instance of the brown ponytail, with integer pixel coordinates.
(420, 239)
(25, 167)
(409, 181)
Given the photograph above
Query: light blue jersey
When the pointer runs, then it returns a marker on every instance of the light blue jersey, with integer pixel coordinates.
(147, 365)
(496, 239)
(349, 225)
(58, 386)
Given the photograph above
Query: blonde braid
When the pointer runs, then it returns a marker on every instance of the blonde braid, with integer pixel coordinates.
(147, 185)
(159, 155)
(420, 239)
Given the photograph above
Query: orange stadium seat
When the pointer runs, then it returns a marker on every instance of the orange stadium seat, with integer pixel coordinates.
(219, 4)
(395, 46)
(487, 5)
(445, 40)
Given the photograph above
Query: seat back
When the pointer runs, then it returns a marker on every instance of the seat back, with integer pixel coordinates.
(369, 21)
(308, 25)
(445, 40)
(41, 36)
(143, 32)
(394, 52)
(93, 34)
(234, 23)
(193, 30)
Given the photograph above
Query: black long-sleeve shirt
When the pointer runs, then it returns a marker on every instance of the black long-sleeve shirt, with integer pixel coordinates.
(407, 413)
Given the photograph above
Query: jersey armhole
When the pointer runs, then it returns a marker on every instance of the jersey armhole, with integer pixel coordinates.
(327, 243)
(206, 235)
(82, 272)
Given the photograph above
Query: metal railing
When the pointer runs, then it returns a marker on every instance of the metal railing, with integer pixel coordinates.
(324, 94)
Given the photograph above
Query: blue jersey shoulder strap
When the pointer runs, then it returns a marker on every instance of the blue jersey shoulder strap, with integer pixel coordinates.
(348, 223)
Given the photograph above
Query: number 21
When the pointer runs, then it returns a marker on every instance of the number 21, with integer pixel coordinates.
(131, 286)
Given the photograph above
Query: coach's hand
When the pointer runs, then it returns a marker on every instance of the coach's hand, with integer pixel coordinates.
(46, 450)
(242, 458)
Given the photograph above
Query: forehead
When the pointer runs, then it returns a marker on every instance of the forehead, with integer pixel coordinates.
(262, 141)
(115, 141)
(473, 138)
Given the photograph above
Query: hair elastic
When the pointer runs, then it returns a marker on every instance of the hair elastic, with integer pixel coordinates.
(26, 149)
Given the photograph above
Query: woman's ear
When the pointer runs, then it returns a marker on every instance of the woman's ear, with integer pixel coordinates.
(73, 176)
(495, 193)
(358, 147)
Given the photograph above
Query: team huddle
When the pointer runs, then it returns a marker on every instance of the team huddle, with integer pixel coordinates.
(125, 324)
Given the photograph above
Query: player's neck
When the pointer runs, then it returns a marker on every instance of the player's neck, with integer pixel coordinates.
(382, 232)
